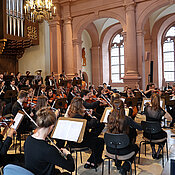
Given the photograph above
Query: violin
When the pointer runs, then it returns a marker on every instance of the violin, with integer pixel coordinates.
(6, 123)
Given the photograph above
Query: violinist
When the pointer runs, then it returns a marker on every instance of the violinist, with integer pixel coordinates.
(130, 93)
(72, 93)
(90, 140)
(51, 97)
(26, 124)
(61, 93)
(5, 145)
(41, 157)
(150, 91)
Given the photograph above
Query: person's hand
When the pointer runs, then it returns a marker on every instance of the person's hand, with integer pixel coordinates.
(65, 151)
(11, 132)
(31, 114)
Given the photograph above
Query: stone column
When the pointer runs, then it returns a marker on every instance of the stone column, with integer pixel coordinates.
(68, 61)
(95, 50)
(77, 49)
(141, 58)
(131, 66)
(55, 46)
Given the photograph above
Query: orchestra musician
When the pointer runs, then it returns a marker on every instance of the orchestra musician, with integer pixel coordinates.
(76, 77)
(1, 77)
(167, 87)
(5, 145)
(154, 112)
(13, 86)
(51, 97)
(49, 81)
(130, 92)
(41, 157)
(2, 89)
(150, 91)
(118, 123)
(72, 93)
(77, 110)
(18, 82)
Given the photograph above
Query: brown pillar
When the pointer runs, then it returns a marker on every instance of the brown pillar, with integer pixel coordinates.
(131, 66)
(95, 51)
(55, 47)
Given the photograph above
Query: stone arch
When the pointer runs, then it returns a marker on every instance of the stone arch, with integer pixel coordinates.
(146, 12)
(92, 30)
(84, 22)
(159, 29)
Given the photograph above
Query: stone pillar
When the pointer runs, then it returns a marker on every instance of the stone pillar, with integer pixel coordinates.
(141, 58)
(95, 50)
(55, 46)
(77, 49)
(131, 66)
(68, 61)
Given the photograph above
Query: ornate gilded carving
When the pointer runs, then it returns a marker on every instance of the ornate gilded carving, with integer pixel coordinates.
(2, 45)
(32, 32)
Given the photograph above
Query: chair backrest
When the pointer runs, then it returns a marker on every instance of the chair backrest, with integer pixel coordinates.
(15, 170)
(151, 127)
(116, 141)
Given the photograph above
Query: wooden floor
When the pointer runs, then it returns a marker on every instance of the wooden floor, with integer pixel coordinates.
(147, 166)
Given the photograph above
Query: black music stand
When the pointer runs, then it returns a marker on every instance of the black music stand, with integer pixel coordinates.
(10, 94)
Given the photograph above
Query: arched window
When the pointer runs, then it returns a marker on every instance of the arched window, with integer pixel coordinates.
(117, 59)
(169, 55)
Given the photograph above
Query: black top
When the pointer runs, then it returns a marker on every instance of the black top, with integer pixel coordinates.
(41, 158)
(152, 115)
(4, 147)
(90, 105)
(15, 108)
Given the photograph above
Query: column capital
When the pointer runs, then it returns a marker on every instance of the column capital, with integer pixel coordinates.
(67, 20)
(129, 6)
(77, 42)
(55, 21)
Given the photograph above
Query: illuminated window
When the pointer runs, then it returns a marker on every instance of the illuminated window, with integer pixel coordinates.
(168, 55)
(117, 59)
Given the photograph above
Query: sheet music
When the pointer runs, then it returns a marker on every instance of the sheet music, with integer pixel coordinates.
(108, 111)
(68, 130)
(17, 120)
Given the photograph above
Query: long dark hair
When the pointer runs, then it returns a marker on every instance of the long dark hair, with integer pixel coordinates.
(116, 120)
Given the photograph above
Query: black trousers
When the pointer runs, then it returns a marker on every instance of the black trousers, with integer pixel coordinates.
(95, 144)
(16, 159)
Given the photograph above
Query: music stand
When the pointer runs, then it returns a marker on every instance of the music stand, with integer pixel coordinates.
(60, 103)
(10, 94)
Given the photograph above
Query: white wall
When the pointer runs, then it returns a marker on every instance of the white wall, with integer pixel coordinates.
(37, 57)
(87, 44)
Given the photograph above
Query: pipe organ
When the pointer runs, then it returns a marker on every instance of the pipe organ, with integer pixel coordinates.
(16, 32)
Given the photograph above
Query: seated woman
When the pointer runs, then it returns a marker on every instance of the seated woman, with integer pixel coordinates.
(119, 123)
(41, 157)
(90, 140)
(154, 112)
